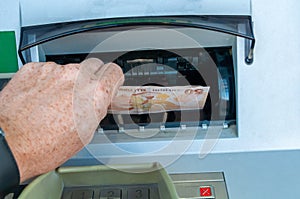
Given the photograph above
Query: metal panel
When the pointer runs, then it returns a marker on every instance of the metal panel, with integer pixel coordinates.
(44, 12)
(200, 185)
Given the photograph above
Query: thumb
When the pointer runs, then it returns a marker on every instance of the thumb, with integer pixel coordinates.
(85, 85)
(109, 82)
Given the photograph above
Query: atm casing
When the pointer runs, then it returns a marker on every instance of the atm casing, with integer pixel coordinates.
(251, 154)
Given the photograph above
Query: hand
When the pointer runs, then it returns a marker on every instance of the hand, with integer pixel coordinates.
(49, 112)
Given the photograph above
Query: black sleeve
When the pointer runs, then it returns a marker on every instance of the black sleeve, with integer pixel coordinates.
(9, 172)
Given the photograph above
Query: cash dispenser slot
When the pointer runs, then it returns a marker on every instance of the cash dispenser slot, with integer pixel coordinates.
(161, 51)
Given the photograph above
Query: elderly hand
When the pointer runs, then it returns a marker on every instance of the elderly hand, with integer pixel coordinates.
(49, 111)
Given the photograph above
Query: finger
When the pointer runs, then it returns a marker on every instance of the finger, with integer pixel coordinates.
(116, 75)
(85, 84)
(91, 97)
(111, 79)
(92, 67)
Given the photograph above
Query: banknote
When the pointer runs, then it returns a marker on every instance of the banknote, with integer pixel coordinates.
(154, 99)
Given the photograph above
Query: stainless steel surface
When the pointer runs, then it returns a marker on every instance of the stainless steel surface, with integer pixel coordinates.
(35, 12)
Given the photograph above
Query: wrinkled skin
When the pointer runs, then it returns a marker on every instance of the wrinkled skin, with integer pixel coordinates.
(49, 112)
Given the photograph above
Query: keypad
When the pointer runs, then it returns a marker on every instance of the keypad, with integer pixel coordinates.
(149, 191)
(138, 193)
(110, 194)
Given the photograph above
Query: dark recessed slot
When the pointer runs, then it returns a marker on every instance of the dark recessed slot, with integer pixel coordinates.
(177, 67)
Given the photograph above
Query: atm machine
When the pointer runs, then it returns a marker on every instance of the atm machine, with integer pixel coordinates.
(241, 144)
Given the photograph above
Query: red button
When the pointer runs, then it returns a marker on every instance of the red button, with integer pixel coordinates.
(205, 191)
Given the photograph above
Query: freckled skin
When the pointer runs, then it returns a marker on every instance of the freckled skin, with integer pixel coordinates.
(49, 112)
